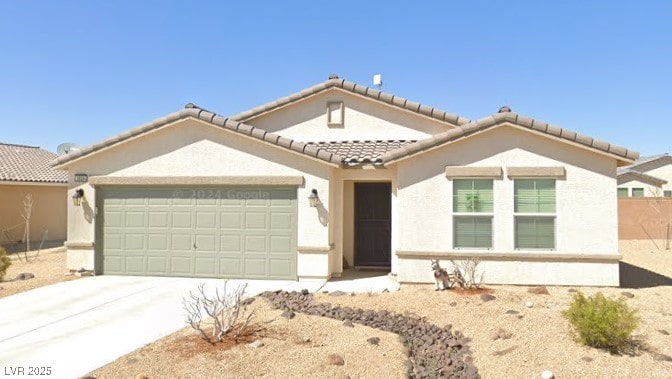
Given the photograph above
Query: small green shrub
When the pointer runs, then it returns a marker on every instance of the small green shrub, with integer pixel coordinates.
(5, 262)
(602, 322)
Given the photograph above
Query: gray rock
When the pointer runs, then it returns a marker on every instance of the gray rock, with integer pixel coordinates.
(335, 359)
(571, 290)
(511, 312)
(664, 332)
(304, 292)
(487, 297)
(373, 340)
(288, 314)
(348, 323)
(24, 276)
(587, 359)
(539, 290)
(256, 344)
(661, 357)
(453, 303)
(337, 293)
(500, 333)
(629, 295)
(505, 351)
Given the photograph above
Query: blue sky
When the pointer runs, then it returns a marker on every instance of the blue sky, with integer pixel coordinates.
(83, 71)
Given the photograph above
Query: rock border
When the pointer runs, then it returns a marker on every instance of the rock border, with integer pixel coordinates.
(432, 351)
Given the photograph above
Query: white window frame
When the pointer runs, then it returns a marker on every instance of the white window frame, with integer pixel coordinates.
(491, 215)
(550, 215)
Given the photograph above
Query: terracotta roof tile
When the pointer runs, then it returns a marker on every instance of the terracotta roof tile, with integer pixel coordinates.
(361, 152)
(20, 163)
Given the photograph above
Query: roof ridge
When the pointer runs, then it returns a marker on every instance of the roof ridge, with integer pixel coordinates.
(358, 89)
(516, 119)
(194, 111)
(19, 145)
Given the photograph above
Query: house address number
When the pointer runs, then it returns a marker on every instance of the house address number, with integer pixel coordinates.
(81, 178)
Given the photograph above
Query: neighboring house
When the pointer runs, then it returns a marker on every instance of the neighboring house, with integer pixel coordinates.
(341, 174)
(26, 170)
(647, 177)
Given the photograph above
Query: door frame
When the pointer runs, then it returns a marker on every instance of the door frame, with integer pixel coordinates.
(356, 220)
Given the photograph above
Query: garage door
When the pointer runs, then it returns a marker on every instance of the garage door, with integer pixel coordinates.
(197, 232)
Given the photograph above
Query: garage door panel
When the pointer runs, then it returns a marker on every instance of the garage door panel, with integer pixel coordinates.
(157, 265)
(206, 232)
(280, 267)
(232, 220)
(255, 267)
(255, 244)
(180, 265)
(230, 267)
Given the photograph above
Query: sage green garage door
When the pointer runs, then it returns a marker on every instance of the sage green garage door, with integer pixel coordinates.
(197, 232)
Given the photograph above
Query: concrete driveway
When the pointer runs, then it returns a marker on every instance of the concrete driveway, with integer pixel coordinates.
(75, 327)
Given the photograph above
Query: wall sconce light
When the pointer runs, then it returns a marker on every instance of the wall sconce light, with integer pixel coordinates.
(77, 197)
(313, 198)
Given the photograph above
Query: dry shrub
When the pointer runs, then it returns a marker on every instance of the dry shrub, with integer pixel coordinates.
(602, 322)
(5, 262)
(227, 313)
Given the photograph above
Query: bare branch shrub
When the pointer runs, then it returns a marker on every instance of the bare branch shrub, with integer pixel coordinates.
(226, 312)
(5, 262)
(26, 215)
(468, 269)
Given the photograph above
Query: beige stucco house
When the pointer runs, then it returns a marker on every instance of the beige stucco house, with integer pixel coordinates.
(26, 170)
(342, 174)
(646, 177)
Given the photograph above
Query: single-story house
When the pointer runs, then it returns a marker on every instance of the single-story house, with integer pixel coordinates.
(26, 170)
(646, 177)
(339, 175)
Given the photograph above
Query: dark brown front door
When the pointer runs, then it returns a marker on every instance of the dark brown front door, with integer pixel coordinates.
(372, 224)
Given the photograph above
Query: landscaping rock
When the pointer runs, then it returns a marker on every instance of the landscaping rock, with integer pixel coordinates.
(305, 339)
(539, 290)
(453, 303)
(629, 295)
(373, 340)
(547, 375)
(432, 351)
(348, 323)
(487, 297)
(335, 359)
(511, 312)
(24, 276)
(256, 344)
(529, 304)
(505, 351)
(661, 357)
(288, 314)
(664, 332)
(337, 293)
(500, 333)
(304, 292)
(571, 290)
(587, 359)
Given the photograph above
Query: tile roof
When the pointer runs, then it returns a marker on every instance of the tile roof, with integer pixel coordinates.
(623, 174)
(361, 152)
(644, 160)
(19, 163)
(508, 117)
(191, 110)
(371, 93)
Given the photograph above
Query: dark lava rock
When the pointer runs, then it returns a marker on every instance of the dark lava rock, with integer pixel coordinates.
(288, 314)
(487, 297)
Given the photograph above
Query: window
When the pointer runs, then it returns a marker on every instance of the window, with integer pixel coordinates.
(622, 192)
(667, 193)
(473, 208)
(638, 192)
(534, 207)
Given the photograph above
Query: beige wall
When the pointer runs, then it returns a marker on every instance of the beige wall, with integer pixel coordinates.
(586, 217)
(49, 211)
(644, 218)
(364, 119)
(193, 148)
(649, 189)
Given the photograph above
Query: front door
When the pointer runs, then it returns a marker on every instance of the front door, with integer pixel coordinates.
(372, 224)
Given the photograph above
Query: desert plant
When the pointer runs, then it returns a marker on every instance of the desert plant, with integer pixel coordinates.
(602, 322)
(227, 312)
(5, 262)
(468, 269)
